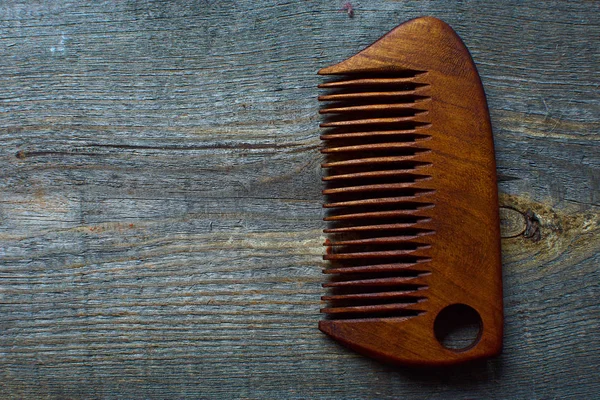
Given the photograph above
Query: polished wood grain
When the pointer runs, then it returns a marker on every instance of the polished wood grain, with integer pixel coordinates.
(413, 199)
(161, 208)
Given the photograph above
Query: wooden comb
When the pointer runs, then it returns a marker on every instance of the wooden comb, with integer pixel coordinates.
(411, 198)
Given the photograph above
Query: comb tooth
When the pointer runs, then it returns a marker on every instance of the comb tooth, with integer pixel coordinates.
(373, 254)
(372, 309)
(378, 240)
(368, 82)
(372, 121)
(411, 107)
(374, 147)
(410, 93)
(400, 200)
(375, 188)
(372, 214)
(371, 161)
(382, 227)
(418, 280)
(406, 134)
(399, 173)
(418, 266)
(397, 294)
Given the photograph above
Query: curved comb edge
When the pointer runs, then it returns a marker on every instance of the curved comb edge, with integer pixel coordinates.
(384, 55)
(399, 341)
(432, 53)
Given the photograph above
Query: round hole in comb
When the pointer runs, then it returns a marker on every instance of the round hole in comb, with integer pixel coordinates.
(458, 327)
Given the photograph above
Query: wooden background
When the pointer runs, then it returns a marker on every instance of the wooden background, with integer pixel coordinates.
(160, 207)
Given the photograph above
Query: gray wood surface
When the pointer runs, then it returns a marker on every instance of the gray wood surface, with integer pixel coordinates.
(160, 207)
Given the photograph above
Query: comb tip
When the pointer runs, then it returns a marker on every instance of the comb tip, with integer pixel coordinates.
(327, 70)
(325, 326)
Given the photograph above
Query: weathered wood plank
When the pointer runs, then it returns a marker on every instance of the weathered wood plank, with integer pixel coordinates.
(160, 207)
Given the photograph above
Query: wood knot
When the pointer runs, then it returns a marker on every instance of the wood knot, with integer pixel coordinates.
(532, 229)
(515, 223)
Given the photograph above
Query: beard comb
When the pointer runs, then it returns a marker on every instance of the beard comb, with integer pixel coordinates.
(413, 231)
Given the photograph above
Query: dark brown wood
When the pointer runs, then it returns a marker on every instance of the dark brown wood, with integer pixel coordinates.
(412, 198)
